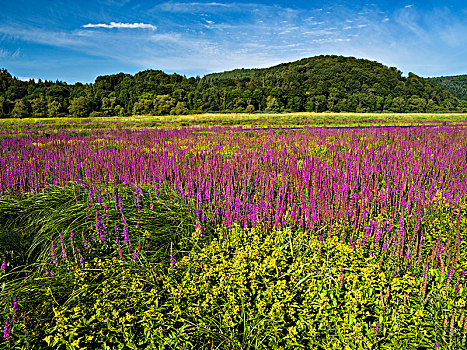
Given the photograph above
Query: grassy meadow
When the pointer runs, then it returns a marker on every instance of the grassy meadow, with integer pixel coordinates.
(248, 120)
(234, 231)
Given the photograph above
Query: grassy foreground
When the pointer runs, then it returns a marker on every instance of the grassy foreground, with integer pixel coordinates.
(256, 120)
(235, 289)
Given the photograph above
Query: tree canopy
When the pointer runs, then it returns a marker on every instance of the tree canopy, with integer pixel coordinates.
(456, 84)
(317, 84)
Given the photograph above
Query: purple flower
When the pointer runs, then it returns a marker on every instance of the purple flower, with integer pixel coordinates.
(100, 229)
(120, 252)
(62, 244)
(138, 249)
(126, 238)
(54, 255)
(135, 255)
(81, 258)
(157, 194)
(15, 306)
(3, 266)
(7, 331)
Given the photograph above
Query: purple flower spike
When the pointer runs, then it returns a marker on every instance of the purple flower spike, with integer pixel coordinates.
(81, 258)
(62, 244)
(54, 255)
(120, 252)
(15, 306)
(7, 331)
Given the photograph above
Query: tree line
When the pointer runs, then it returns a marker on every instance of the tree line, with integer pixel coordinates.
(456, 84)
(316, 84)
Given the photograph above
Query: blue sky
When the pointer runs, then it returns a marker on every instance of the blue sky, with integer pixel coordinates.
(79, 40)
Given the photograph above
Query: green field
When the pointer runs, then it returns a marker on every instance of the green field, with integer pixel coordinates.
(186, 232)
(256, 120)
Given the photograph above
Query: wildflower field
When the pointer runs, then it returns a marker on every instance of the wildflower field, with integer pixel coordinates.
(226, 237)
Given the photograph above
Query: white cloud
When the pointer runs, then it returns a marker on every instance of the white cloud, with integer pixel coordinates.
(121, 25)
(408, 6)
(27, 79)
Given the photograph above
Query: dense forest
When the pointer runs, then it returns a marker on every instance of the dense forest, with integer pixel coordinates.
(456, 84)
(316, 84)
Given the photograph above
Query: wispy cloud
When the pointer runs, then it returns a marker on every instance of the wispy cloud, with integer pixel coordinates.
(121, 25)
(426, 42)
(10, 54)
(118, 3)
(221, 37)
(191, 6)
(195, 38)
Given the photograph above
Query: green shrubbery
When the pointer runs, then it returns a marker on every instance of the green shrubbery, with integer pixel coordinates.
(248, 289)
(224, 288)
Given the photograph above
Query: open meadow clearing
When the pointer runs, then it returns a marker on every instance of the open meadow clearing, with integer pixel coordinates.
(224, 232)
(246, 120)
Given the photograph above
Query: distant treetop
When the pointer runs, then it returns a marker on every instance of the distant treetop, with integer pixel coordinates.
(315, 84)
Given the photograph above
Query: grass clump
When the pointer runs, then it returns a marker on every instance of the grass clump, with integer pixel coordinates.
(238, 288)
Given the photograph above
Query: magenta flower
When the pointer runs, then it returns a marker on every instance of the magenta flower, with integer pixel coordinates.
(7, 331)
(15, 307)
(62, 244)
(54, 255)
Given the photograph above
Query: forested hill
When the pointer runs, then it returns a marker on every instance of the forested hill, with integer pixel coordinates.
(456, 84)
(317, 84)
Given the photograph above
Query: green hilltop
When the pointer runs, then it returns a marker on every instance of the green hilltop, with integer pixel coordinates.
(456, 84)
(316, 84)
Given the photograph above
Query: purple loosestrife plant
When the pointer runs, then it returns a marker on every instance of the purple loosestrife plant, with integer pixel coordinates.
(137, 251)
(62, 244)
(72, 243)
(81, 258)
(126, 238)
(54, 255)
(6, 333)
(376, 185)
(120, 251)
(15, 307)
